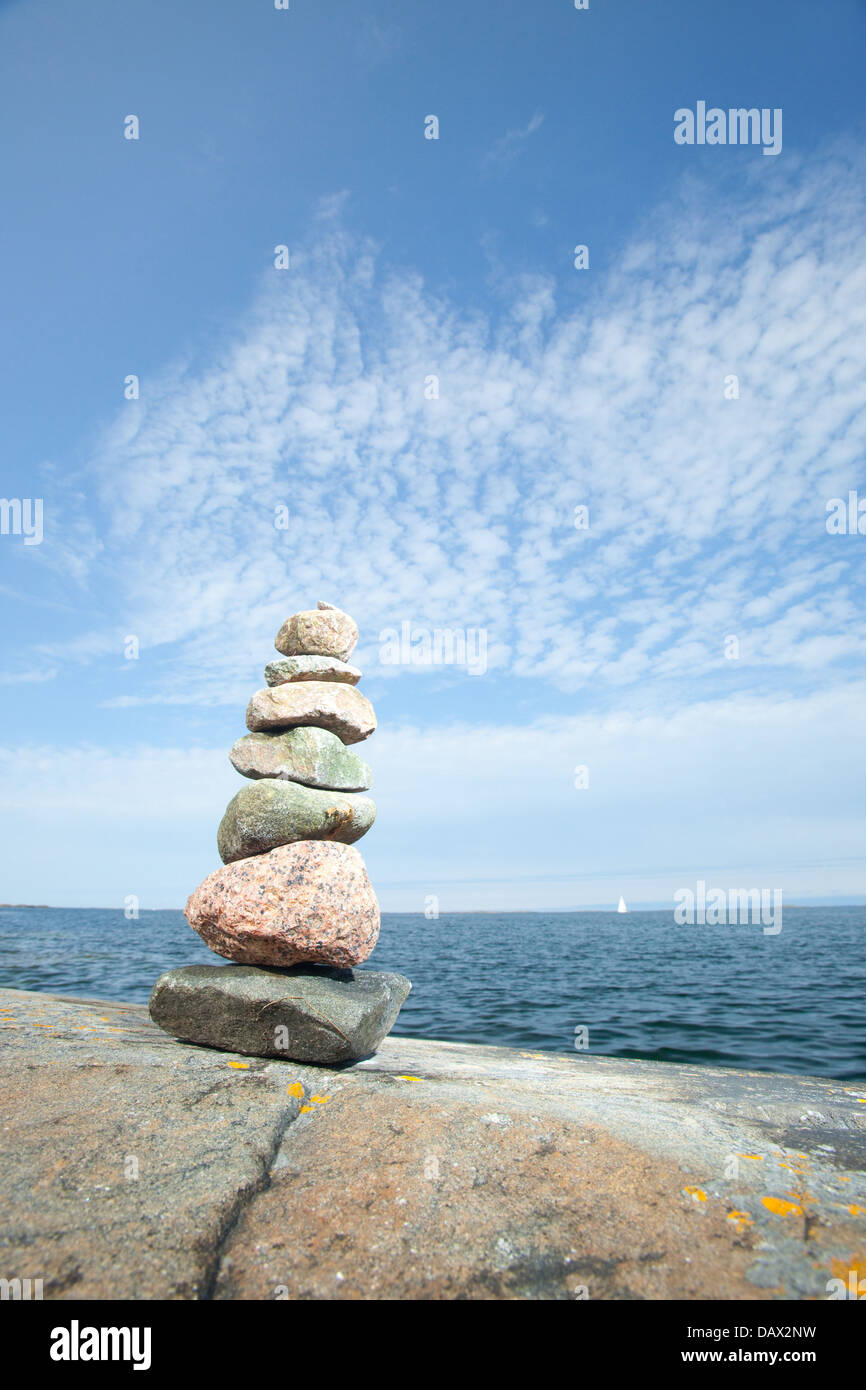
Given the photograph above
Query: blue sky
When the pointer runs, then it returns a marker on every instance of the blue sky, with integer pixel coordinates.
(608, 648)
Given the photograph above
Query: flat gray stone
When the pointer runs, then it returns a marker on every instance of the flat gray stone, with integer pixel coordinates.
(305, 1014)
(271, 812)
(310, 668)
(312, 756)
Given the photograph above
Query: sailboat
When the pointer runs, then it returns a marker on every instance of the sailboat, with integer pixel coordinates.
(622, 907)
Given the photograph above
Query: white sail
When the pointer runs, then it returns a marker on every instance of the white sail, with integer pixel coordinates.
(622, 907)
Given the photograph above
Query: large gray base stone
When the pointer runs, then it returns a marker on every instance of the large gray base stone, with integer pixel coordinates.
(303, 1014)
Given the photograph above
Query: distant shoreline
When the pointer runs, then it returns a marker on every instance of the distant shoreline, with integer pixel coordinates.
(455, 912)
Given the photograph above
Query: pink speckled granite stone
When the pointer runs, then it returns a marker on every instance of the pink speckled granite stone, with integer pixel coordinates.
(308, 901)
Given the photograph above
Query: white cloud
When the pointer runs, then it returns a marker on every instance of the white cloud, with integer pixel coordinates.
(37, 676)
(510, 144)
(707, 515)
(743, 792)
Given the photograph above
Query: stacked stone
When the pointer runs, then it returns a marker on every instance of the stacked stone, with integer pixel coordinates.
(293, 905)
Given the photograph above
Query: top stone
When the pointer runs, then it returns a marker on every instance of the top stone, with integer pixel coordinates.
(322, 631)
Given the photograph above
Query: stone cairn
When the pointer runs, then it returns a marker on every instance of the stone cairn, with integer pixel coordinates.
(292, 904)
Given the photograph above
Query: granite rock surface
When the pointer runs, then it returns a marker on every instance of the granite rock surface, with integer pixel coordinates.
(433, 1171)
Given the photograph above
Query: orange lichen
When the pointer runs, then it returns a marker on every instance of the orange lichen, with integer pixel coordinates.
(741, 1218)
(780, 1207)
(841, 1269)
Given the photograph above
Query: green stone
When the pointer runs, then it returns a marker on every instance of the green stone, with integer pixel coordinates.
(315, 757)
(273, 812)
